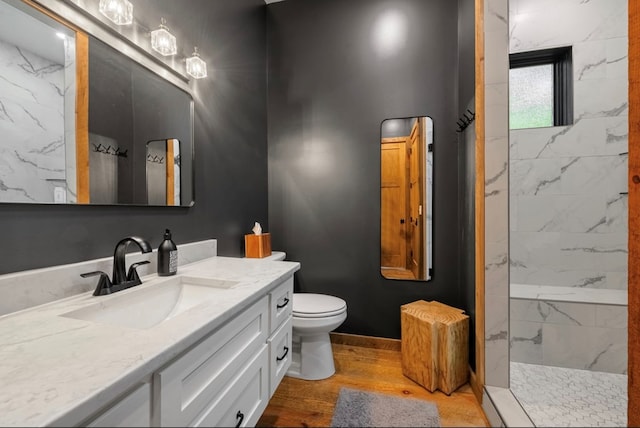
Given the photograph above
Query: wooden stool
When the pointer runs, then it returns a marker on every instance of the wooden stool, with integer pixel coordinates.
(435, 345)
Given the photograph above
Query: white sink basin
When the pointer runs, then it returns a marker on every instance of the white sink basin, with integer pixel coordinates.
(149, 306)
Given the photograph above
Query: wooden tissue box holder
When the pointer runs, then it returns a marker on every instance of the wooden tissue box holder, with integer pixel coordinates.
(257, 246)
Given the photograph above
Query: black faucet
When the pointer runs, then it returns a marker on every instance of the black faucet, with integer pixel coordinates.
(119, 272)
(120, 279)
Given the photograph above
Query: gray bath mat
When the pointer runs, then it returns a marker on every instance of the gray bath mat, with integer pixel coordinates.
(367, 409)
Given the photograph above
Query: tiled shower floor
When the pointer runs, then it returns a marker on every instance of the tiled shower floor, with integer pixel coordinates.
(561, 397)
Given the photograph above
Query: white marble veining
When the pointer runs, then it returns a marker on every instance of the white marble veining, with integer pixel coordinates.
(585, 137)
(32, 156)
(496, 106)
(568, 184)
(59, 370)
(532, 26)
(570, 327)
(598, 32)
(70, 120)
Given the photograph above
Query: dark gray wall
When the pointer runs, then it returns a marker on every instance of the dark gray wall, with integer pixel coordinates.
(392, 128)
(330, 88)
(467, 170)
(466, 54)
(329, 91)
(230, 144)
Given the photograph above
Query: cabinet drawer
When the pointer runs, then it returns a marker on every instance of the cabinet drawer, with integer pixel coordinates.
(134, 410)
(281, 301)
(243, 402)
(198, 377)
(280, 348)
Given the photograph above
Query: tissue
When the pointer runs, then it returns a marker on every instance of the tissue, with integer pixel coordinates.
(257, 229)
(257, 244)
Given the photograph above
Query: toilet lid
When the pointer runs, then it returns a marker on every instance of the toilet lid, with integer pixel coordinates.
(310, 305)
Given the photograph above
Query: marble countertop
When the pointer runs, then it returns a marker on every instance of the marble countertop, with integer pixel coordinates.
(56, 370)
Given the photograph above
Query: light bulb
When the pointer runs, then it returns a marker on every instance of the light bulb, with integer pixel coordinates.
(162, 41)
(120, 12)
(196, 67)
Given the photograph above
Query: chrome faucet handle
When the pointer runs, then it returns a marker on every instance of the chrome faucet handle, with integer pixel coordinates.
(132, 274)
(104, 284)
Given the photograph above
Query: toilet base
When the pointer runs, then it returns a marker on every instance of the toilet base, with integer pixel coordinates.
(312, 357)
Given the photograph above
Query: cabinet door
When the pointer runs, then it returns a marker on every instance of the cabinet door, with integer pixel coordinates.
(281, 301)
(280, 348)
(242, 403)
(133, 410)
(199, 377)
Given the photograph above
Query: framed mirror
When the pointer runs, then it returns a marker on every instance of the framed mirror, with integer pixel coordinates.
(406, 198)
(77, 114)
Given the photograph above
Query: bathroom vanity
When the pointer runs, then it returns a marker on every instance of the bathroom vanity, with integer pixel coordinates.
(207, 347)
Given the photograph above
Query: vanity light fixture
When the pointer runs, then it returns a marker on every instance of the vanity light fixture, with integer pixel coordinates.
(162, 41)
(120, 12)
(196, 67)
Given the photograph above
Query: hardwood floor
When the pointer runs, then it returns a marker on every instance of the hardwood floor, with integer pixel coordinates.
(368, 364)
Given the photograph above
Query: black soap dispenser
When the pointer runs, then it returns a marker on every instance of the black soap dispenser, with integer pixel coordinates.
(167, 256)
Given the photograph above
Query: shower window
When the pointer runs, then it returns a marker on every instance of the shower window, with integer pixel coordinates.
(540, 88)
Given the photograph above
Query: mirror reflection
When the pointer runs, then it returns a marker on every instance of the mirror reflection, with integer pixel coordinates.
(406, 184)
(129, 107)
(163, 172)
(76, 115)
(37, 56)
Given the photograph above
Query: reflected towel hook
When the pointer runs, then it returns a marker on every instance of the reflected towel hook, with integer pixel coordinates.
(109, 150)
(155, 159)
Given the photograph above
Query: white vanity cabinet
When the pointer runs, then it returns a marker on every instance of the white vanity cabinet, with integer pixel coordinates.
(132, 410)
(228, 378)
(280, 340)
(192, 390)
(214, 345)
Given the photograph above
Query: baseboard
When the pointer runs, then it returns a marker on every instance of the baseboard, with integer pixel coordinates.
(365, 341)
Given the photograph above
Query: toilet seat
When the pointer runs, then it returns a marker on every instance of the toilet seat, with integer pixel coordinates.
(311, 305)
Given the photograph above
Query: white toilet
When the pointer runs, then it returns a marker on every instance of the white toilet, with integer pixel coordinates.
(314, 316)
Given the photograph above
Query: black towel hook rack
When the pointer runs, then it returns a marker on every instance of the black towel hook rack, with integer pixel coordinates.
(465, 120)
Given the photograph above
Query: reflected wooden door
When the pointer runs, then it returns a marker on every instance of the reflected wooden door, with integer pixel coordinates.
(415, 256)
(171, 185)
(393, 193)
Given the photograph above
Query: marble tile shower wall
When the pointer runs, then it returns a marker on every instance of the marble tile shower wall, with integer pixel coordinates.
(496, 200)
(568, 220)
(583, 336)
(568, 207)
(32, 156)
